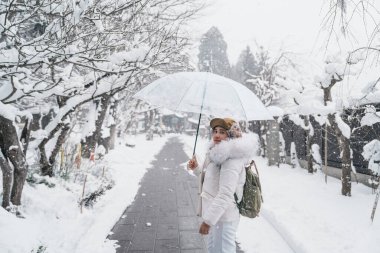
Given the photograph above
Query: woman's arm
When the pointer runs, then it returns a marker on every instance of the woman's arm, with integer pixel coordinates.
(229, 178)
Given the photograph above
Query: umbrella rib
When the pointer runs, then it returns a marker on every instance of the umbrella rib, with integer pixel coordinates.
(241, 104)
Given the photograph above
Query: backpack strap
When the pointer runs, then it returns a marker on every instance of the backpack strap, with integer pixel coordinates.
(236, 200)
(235, 195)
(258, 175)
(254, 164)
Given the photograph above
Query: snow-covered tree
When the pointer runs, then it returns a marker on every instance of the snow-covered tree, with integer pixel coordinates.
(266, 80)
(301, 96)
(371, 153)
(352, 21)
(12, 154)
(353, 26)
(64, 54)
(246, 66)
(334, 73)
(212, 55)
(280, 83)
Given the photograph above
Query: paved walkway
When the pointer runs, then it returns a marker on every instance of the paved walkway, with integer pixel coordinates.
(162, 217)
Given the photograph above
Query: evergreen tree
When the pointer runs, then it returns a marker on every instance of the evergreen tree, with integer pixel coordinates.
(246, 67)
(212, 55)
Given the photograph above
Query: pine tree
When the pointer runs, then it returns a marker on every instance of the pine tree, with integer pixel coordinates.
(212, 55)
(246, 67)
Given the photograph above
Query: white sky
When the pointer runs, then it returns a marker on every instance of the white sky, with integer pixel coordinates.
(290, 25)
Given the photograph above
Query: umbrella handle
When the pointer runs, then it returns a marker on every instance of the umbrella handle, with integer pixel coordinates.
(196, 136)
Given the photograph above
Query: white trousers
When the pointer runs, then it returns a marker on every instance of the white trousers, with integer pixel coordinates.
(221, 237)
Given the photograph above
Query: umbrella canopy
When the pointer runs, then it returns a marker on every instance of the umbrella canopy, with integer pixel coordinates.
(207, 93)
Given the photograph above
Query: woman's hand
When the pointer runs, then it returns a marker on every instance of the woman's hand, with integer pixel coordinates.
(204, 229)
(192, 164)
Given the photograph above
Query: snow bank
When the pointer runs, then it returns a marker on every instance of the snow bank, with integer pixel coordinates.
(311, 216)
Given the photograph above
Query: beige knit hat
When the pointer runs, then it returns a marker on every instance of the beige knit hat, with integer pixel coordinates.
(226, 123)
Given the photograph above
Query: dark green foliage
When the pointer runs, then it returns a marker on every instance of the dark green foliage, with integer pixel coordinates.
(32, 180)
(40, 249)
(92, 197)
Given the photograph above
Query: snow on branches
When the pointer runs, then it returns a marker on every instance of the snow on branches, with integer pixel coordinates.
(371, 153)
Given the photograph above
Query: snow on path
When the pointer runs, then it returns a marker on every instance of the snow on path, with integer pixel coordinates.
(128, 166)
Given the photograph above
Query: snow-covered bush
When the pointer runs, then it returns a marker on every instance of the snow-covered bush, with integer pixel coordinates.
(371, 153)
(293, 156)
(315, 152)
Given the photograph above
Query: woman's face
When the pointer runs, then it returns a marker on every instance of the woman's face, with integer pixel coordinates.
(219, 134)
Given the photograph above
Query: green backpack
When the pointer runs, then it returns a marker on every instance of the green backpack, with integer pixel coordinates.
(250, 203)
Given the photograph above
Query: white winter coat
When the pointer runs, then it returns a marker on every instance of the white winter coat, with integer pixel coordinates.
(224, 175)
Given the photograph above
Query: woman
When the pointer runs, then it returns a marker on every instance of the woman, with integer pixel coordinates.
(222, 175)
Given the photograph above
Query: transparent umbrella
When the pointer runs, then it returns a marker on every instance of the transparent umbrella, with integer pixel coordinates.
(204, 93)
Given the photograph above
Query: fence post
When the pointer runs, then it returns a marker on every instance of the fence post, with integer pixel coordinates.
(375, 204)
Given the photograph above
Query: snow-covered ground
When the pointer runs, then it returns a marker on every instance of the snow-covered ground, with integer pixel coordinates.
(53, 218)
(311, 216)
(300, 213)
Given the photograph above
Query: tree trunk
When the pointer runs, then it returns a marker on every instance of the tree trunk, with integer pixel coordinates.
(91, 141)
(47, 165)
(326, 149)
(146, 121)
(7, 180)
(113, 113)
(20, 172)
(149, 119)
(346, 166)
(112, 136)
(25, 135)
(309, 139)
(60, 141)
(12, 151)
(344, 146)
